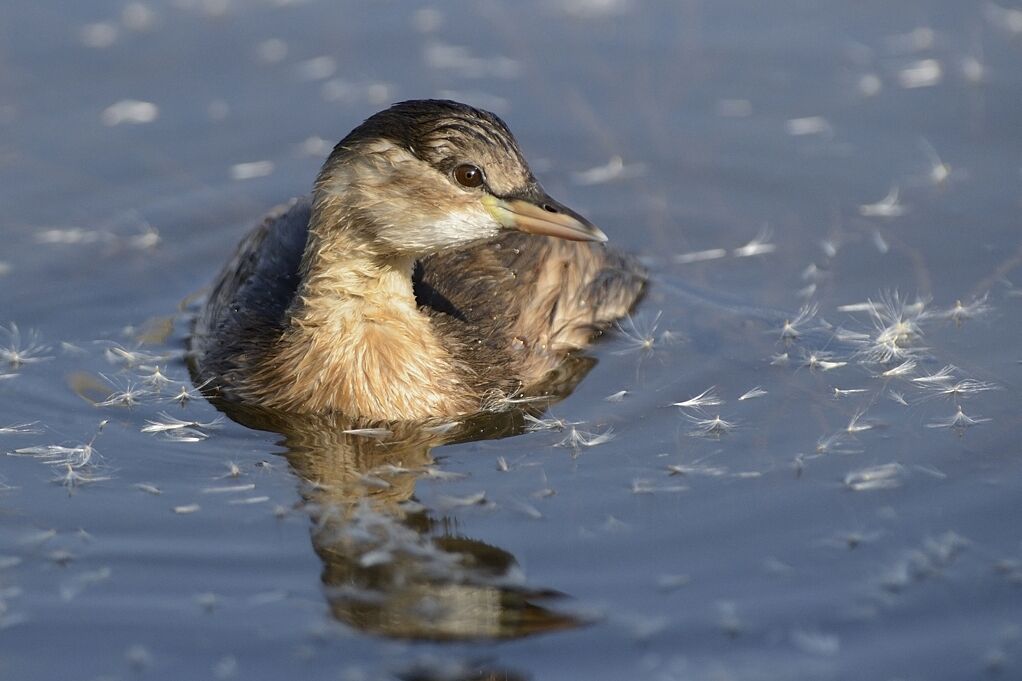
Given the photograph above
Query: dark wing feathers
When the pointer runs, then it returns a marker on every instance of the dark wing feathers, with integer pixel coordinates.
(528, 299)
(246, 308)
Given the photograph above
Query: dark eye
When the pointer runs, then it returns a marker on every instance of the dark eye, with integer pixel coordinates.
(468, 175)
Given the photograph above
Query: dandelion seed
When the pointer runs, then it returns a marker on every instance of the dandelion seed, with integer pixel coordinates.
(59, 455)
(823, 361)
(835, 444)
(640, 486)
(857, 307)
(921, 73)
(233, 471)
(22, 351)
(72, 477)
(155, 379)
(21, 429)
(616, 397)
(707, 398)
(371, 433)
(528, 510)
(185, 435)
(537, 424)
(897, 397)
(752, 394)
(960, 312)
(780, 360)
(72, 235)
(248, 501)
(502, 465)
(186, 509)
(844, 392)
(932, 472)
(897, 327)
(576, 438)
(793, 328)
(148, 489)
(392, 470)
(477, 499)
(857, 425)
(229, 489)
(251, 170)
(614, 170)
(128, 396)
(810, 125)
(758, 246)
(964, 388)
(903, 369)
(699, 256)
(880, 243)
(945, 375)
(887, 207)
(959, 421)
(697, 468)
(639, 335)
(434, 472)
(186, 394)
(714, 427)
(497, 401)
(372, 482)
(148, 238)
(939, 171)
(132, 111)
(117, 354)
(885, 476)
(170, 423)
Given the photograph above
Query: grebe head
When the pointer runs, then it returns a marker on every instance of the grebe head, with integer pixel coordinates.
(427, 175)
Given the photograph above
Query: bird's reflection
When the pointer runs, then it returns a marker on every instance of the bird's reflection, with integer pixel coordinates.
(391, 566)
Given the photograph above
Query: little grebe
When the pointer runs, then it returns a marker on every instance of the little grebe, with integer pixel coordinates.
(411, 284)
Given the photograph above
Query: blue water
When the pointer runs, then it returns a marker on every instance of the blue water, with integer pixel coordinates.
(846, 524)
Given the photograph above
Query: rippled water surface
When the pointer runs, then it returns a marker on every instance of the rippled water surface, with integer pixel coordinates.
(828, 196)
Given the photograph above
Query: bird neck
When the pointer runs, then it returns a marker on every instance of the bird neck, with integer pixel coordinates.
(357, 342)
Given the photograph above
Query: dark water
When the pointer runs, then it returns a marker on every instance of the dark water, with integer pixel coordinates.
(810, 533)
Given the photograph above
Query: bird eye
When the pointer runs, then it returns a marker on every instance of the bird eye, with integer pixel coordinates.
(468, 175)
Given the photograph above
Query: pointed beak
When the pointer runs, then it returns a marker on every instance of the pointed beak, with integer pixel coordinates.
(540, 214)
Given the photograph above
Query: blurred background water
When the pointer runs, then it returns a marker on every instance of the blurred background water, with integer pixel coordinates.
(828, 196)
